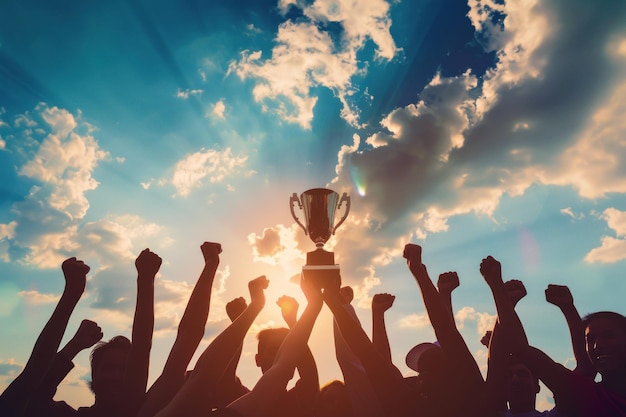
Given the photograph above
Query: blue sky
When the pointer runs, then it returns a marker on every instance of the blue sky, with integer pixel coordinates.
(472, 128)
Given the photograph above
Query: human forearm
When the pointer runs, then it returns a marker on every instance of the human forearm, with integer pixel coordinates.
(376, 366)
(577, 336)
(379, 336)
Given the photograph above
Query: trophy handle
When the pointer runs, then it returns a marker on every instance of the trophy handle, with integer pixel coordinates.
(294, 199)
(343, 198)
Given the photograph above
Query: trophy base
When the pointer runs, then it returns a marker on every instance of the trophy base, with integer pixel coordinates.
(324, 275)
(320, 257)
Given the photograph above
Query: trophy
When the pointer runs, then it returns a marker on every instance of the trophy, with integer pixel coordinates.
(319, 206)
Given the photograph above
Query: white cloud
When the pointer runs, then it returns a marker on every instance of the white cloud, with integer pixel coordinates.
(185, 94)
(64, 163)
(418, 321)
(306, 56)
(464, 144)
(484, 321)
(612, 249)
(35, 297)
(108, 241)
(252, 29)
(218, 109)
(212, 165)
(279, 245)
(569, 212)
(616, 220)
(10, 368)
(146, 185)
(7, 231)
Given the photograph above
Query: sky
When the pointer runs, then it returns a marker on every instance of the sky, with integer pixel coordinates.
(472, 128)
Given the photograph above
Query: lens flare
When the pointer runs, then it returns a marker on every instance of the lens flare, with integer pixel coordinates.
(529, 248)
(358, 181)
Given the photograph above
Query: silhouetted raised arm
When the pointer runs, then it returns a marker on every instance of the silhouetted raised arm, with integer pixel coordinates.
(308, 386)
(467, 385)
(363, 399)
(190, 333)
(265, 395)
(380, 304)
(15, 397)
(191, 399)
(541, 365)
(448, 336)
(491, 270)
(230, 387)
(386, 379)
(447, 283)
(496, 393)
(136, 373)
(560, 296)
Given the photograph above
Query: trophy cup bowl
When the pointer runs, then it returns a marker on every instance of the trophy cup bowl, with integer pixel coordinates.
(319, 206)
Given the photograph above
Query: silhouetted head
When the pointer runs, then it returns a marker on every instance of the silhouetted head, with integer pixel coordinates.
(334, 400)
(108, 363)
(605, 333)
(523, 387)
(269, 343)
(429, 361)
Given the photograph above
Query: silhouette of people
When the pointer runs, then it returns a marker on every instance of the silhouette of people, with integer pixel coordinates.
(448, 382)
(363, 399)
(189, 335)
(16, 397)
(119, 367)
(455, 385)
(575, 392)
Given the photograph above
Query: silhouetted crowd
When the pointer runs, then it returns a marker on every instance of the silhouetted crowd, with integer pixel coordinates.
(448, 382)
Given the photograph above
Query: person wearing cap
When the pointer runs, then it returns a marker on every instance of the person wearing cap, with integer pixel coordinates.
(449, 380)
(576, 394)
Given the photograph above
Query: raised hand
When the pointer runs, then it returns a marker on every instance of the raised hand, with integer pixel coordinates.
(559, 295)
(148, 263)
(87, 335)
(515, 290)
(486, 339)
(447, 282)
(289, 309)
(491, 270)
(382, 302)
(211, 252)
(257, 291)
(235, 307)
(313, 292)
(413, 255)
(75, 272)
(347, 293)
